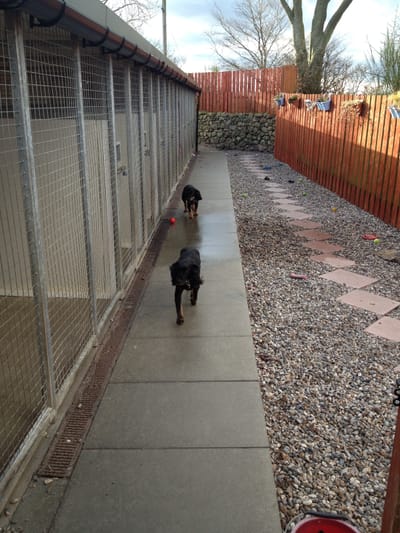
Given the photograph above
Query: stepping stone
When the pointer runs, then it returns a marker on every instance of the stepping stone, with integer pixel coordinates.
(297, 215)
(306, 224)
(278, 194)
(386, 327)
(333, 260)
(275, 188)
(290, 208)
(284, 201)
(322, 246)
(369, 301)
(350, 279)
(313, 235)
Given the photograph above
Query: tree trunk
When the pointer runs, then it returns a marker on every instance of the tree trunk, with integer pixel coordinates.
(309, 64)
(310, 75)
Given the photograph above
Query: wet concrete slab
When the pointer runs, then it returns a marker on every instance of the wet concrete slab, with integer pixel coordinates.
(186, 359)
(175, 491)
(179, 415)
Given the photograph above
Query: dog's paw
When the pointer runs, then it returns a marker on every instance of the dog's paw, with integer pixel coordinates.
(180, 321)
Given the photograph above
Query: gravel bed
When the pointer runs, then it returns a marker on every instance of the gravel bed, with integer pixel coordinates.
(327, 385)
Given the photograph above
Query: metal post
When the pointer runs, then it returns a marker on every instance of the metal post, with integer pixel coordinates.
(131, 166)
(84, 180)
(164, 26)
(19, 82)
(113, 171)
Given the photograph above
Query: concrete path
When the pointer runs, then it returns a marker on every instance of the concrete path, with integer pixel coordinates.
(178, 444)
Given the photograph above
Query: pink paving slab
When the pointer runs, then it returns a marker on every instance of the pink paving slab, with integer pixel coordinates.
(276, 189)
(350, 279)
(322, 246)
(313, 235)
(297, 215)
(290, 207)
(284, 201)
(276, 194)
(386, 327)
(369, 301)
(333, 260)
(307, 224)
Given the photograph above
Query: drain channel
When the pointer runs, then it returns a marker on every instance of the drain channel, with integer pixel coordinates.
(67, 444)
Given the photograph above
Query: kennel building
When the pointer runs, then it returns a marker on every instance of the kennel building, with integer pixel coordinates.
(96, 129)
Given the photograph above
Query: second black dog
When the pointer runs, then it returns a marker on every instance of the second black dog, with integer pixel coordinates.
(185, 275)
(191, 197)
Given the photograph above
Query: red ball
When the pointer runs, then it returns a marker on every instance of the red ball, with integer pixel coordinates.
(172, 220)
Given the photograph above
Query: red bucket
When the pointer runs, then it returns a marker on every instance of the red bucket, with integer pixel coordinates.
(318, 522)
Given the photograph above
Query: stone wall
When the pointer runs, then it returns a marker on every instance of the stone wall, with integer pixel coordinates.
(242, 131)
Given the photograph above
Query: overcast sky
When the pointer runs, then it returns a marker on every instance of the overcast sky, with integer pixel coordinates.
(188, 20)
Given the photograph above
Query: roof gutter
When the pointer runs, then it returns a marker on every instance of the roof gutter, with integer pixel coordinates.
(97, 25)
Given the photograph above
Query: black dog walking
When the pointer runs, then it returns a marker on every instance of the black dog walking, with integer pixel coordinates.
(185, 275)
(191, 197)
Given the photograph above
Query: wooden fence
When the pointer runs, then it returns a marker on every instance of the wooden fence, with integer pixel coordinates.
(244, 91)
(355, 156)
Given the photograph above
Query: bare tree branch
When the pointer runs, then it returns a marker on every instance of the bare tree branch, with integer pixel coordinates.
(255, 37)
(134, 12)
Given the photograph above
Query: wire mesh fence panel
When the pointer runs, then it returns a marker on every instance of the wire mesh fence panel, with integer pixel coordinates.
(50, 69)
(172, 134)
(181, 128)
(157, 142)
(124, 172)
(192, 124)
(137, 150)
(154, 154)
(147, 153)
(164, 173)
(167, 136)
(97, 154)
(22, 381)
(189, 144)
